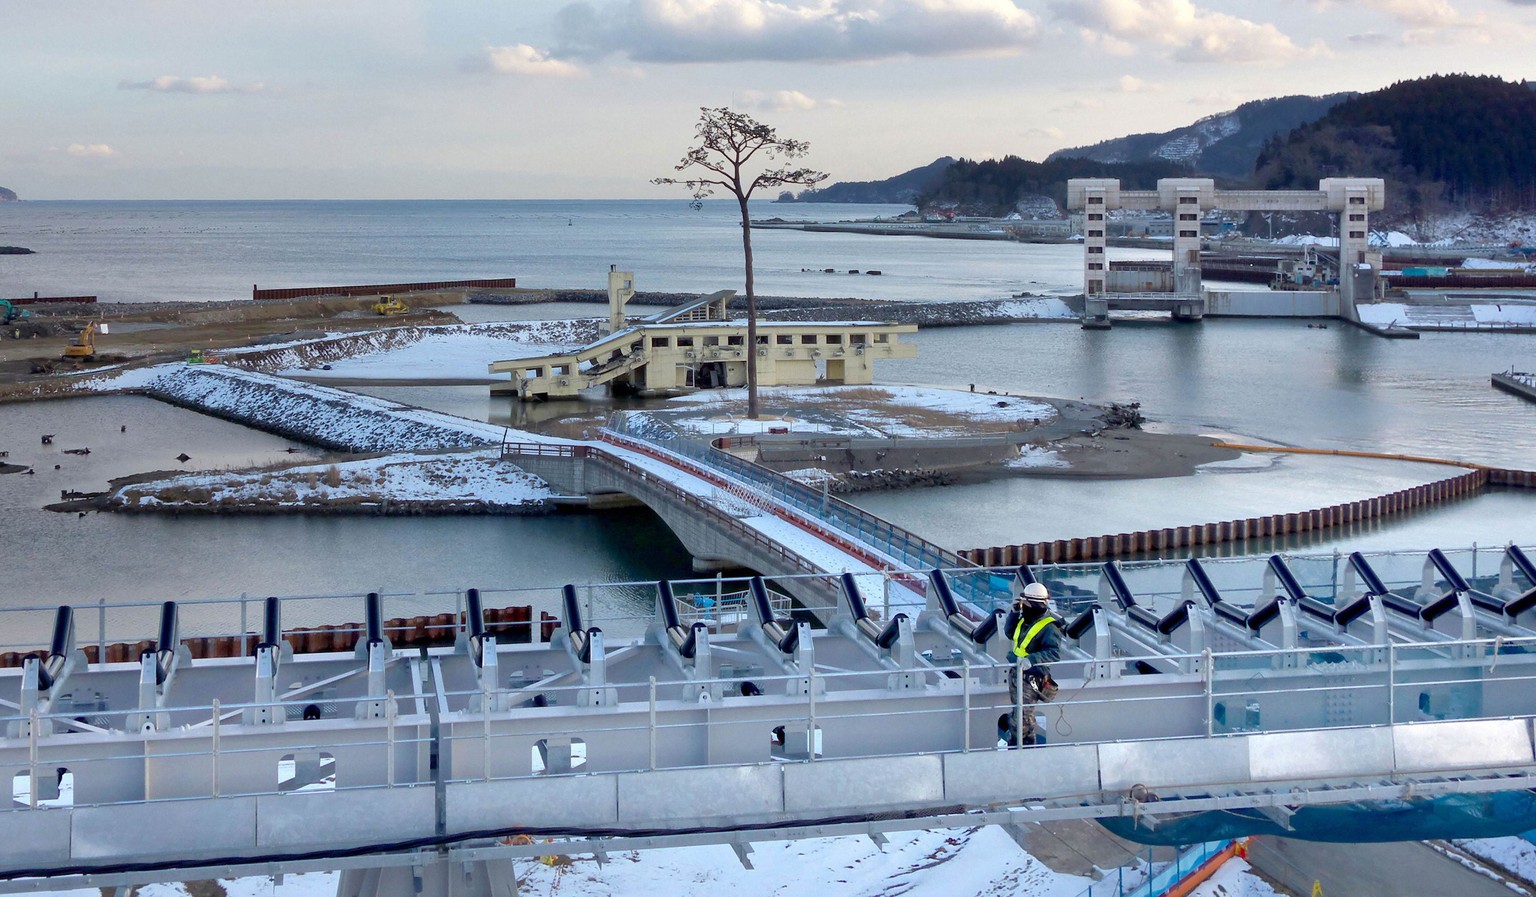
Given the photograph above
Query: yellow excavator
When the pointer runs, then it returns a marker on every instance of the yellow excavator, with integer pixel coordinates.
(390, 306)
(84, 346)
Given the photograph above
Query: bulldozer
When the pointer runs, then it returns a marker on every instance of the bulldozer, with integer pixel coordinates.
(388, 305)
(84, 346)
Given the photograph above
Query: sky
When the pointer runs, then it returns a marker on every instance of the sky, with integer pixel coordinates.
(578, 99)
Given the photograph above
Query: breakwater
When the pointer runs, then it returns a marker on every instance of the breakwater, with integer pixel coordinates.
(1119, 545)
(318, 415)
(375, 289)
(1516, 383)
(510, 625)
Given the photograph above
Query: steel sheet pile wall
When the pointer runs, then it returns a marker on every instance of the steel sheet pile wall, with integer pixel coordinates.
(1095, 548)
(375, 289)
(511, 625)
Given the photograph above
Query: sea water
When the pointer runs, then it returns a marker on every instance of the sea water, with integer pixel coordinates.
(190, 251)
(1274, 380)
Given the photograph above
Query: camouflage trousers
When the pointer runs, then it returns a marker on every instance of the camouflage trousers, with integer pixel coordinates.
(1018, 725)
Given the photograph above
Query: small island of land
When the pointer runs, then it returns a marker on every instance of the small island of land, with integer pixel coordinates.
(8, 195)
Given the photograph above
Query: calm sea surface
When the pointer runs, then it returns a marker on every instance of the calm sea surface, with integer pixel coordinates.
(176, 251)
(1275, 380)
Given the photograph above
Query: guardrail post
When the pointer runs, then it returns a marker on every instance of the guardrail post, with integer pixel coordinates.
(1391, 684)
(389, 738)
(652, 724)
(213, 749)
(810, 713)
(1210, 694)
(965, 719)
(101, 631)
(32, 760)
(244, 628)
(485, 737)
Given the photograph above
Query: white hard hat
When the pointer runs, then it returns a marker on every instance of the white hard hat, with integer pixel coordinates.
(1036, 592)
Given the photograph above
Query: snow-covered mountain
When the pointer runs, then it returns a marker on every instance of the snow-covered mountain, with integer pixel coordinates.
(1224, 144)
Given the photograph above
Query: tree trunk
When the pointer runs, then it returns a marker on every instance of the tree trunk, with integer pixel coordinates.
(746, 248)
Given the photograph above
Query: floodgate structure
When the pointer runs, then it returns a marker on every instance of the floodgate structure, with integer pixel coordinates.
(700, 345)
(855, 686)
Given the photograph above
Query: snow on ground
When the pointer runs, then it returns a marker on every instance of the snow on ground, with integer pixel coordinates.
(1505, 313)
(888, 411)
(1235, 878)
(1514, 854)
(1481, 264)
(479, 478)
(947, 863)
(1033, 456)
(1035, 307)
(453, 352)
(1385, 314)
(317, 414)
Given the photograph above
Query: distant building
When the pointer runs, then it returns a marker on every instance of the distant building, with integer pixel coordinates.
(697, 345)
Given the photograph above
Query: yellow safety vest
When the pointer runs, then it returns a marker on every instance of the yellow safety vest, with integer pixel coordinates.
(1021, 649)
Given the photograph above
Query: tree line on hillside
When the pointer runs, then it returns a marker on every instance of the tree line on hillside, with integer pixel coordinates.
(994, 186)
(1443, 142)
(1447, 141)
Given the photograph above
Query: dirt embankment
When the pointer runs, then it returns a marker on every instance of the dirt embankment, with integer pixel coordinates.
(169, 331)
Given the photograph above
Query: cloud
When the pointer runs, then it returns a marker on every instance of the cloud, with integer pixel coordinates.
(1192, 33)
(521, 59)
(682, 31)
(90, 151)
(1419, 13)
(775, 101)
(1045, 133)
(1133, 84)
(203, 84)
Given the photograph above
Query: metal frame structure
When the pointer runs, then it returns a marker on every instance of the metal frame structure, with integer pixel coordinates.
(412, 769)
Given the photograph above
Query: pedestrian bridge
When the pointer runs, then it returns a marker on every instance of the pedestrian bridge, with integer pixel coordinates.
(1343, 697)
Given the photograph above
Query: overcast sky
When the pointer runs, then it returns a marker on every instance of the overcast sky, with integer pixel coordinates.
(277, 99)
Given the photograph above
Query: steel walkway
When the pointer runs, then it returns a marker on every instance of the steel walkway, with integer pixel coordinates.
(1310, 695)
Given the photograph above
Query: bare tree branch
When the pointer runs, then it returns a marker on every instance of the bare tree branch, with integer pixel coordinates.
(728, 142)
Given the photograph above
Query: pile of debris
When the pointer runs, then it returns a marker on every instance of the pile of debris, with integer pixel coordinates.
(1123, 417)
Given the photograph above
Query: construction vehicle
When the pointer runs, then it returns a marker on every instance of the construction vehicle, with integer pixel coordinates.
(84, 346)
(9, 312)
(390, 306)
(198, 356)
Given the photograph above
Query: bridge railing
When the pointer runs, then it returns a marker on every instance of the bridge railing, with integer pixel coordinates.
(905, 548)
(658, 724)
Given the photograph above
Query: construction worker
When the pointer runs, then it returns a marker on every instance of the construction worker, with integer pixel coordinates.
(1036, 638)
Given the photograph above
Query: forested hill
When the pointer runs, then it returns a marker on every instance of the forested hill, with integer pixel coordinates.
(7, 195)
(1221, 145)
(1443, 142)
(903, 188)
(994, 186)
